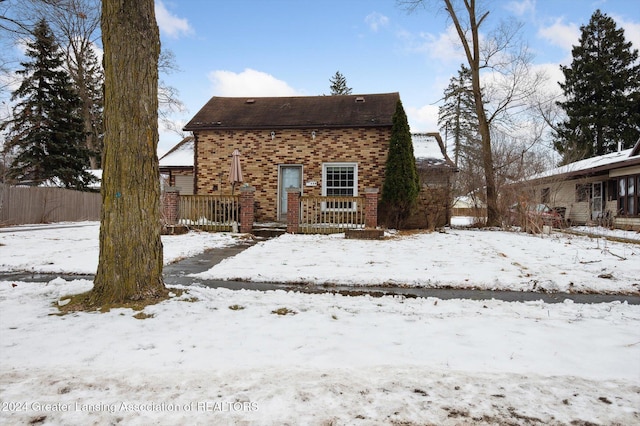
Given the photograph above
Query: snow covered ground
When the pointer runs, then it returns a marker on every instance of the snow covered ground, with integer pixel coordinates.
(456, 258)
(216, 356)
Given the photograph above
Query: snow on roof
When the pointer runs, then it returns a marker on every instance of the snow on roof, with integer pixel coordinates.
(180, 155)
(426, 146)
(606, 161)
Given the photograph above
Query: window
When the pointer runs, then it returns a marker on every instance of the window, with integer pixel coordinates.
(339, 180)
(628, 195)
(545, 195)
(583, 192)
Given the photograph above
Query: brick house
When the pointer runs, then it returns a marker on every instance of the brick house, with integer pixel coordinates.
(324, 145)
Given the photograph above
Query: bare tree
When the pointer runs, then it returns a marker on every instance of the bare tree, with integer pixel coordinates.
(500, 56)
(168, 96)
(130, 262)
(16, 16)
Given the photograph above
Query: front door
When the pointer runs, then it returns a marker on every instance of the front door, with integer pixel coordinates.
(596, 201)
(288, 177)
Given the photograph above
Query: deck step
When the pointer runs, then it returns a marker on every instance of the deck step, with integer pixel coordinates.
(268, 232)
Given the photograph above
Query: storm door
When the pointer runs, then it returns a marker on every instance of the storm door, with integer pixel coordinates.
(596, 201)
(288, 177)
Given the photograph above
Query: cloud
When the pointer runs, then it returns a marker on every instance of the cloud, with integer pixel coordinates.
(376, 21)
(631, 30)
(170, 24)
(566, 35)
(520, 8)
(561, 34)
(423, 119)
(445, 46)
(249, 83)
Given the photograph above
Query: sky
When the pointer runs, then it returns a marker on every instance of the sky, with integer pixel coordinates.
(214, 356)
(293, 47)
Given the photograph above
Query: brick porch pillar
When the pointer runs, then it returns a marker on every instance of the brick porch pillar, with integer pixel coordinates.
(293, 210)
(170, 203)
(246, 208)
(371, 208)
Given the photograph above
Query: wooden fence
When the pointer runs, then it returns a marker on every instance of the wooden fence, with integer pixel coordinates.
(25, 205)
(209, 212)
(326, 215)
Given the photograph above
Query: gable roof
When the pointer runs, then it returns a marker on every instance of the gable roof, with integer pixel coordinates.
(180, 155)
(593, 165)
(339, 111)
(429, 150)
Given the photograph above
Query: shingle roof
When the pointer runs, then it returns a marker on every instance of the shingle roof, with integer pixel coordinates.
(371, 110)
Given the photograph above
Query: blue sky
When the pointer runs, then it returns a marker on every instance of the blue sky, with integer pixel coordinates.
(293, 47)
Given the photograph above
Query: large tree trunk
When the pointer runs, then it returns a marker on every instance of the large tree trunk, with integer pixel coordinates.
(473, 56)
(130, 264)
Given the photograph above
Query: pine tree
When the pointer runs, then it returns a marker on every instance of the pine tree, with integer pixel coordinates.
(88, 78)
(401, 183)
(457, 117)
(339, 85)
(602, 90)
(46, 136)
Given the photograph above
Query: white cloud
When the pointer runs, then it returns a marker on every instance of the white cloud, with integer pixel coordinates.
(631, 30)
(423, 119)
(170, 24)
(566, 35)
(520, 8)
(445, 47)
(249, 83)
(376, 21)
(563, 35)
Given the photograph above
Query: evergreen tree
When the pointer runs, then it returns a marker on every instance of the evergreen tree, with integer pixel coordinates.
(401, 183)
(88, 79)
(602, 90)
(457, 117)
(46, 136)
(339, 85)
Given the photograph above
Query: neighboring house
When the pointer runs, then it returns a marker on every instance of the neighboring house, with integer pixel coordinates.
(176, 166)
(324, 145)
(435, 170)
(469, 205)
(603, 189)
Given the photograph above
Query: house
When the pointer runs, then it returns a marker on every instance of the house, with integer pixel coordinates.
(603, 189)
(323, 145)
(435, 170)
(176, 166)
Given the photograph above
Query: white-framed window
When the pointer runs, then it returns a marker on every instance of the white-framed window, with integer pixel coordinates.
(339, 180)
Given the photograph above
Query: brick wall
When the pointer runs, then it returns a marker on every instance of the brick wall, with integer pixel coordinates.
(261, 156)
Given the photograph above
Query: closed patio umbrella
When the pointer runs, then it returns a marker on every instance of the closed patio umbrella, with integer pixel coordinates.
(235, 172)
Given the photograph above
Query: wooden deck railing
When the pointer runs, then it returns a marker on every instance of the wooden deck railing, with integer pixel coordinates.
(326, 215)
(209, 212)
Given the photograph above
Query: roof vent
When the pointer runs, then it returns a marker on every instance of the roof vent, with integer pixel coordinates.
(250, 101)
(359, 99)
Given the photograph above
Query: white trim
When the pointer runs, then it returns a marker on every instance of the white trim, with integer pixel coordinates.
(324, 182)
(279, 213)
